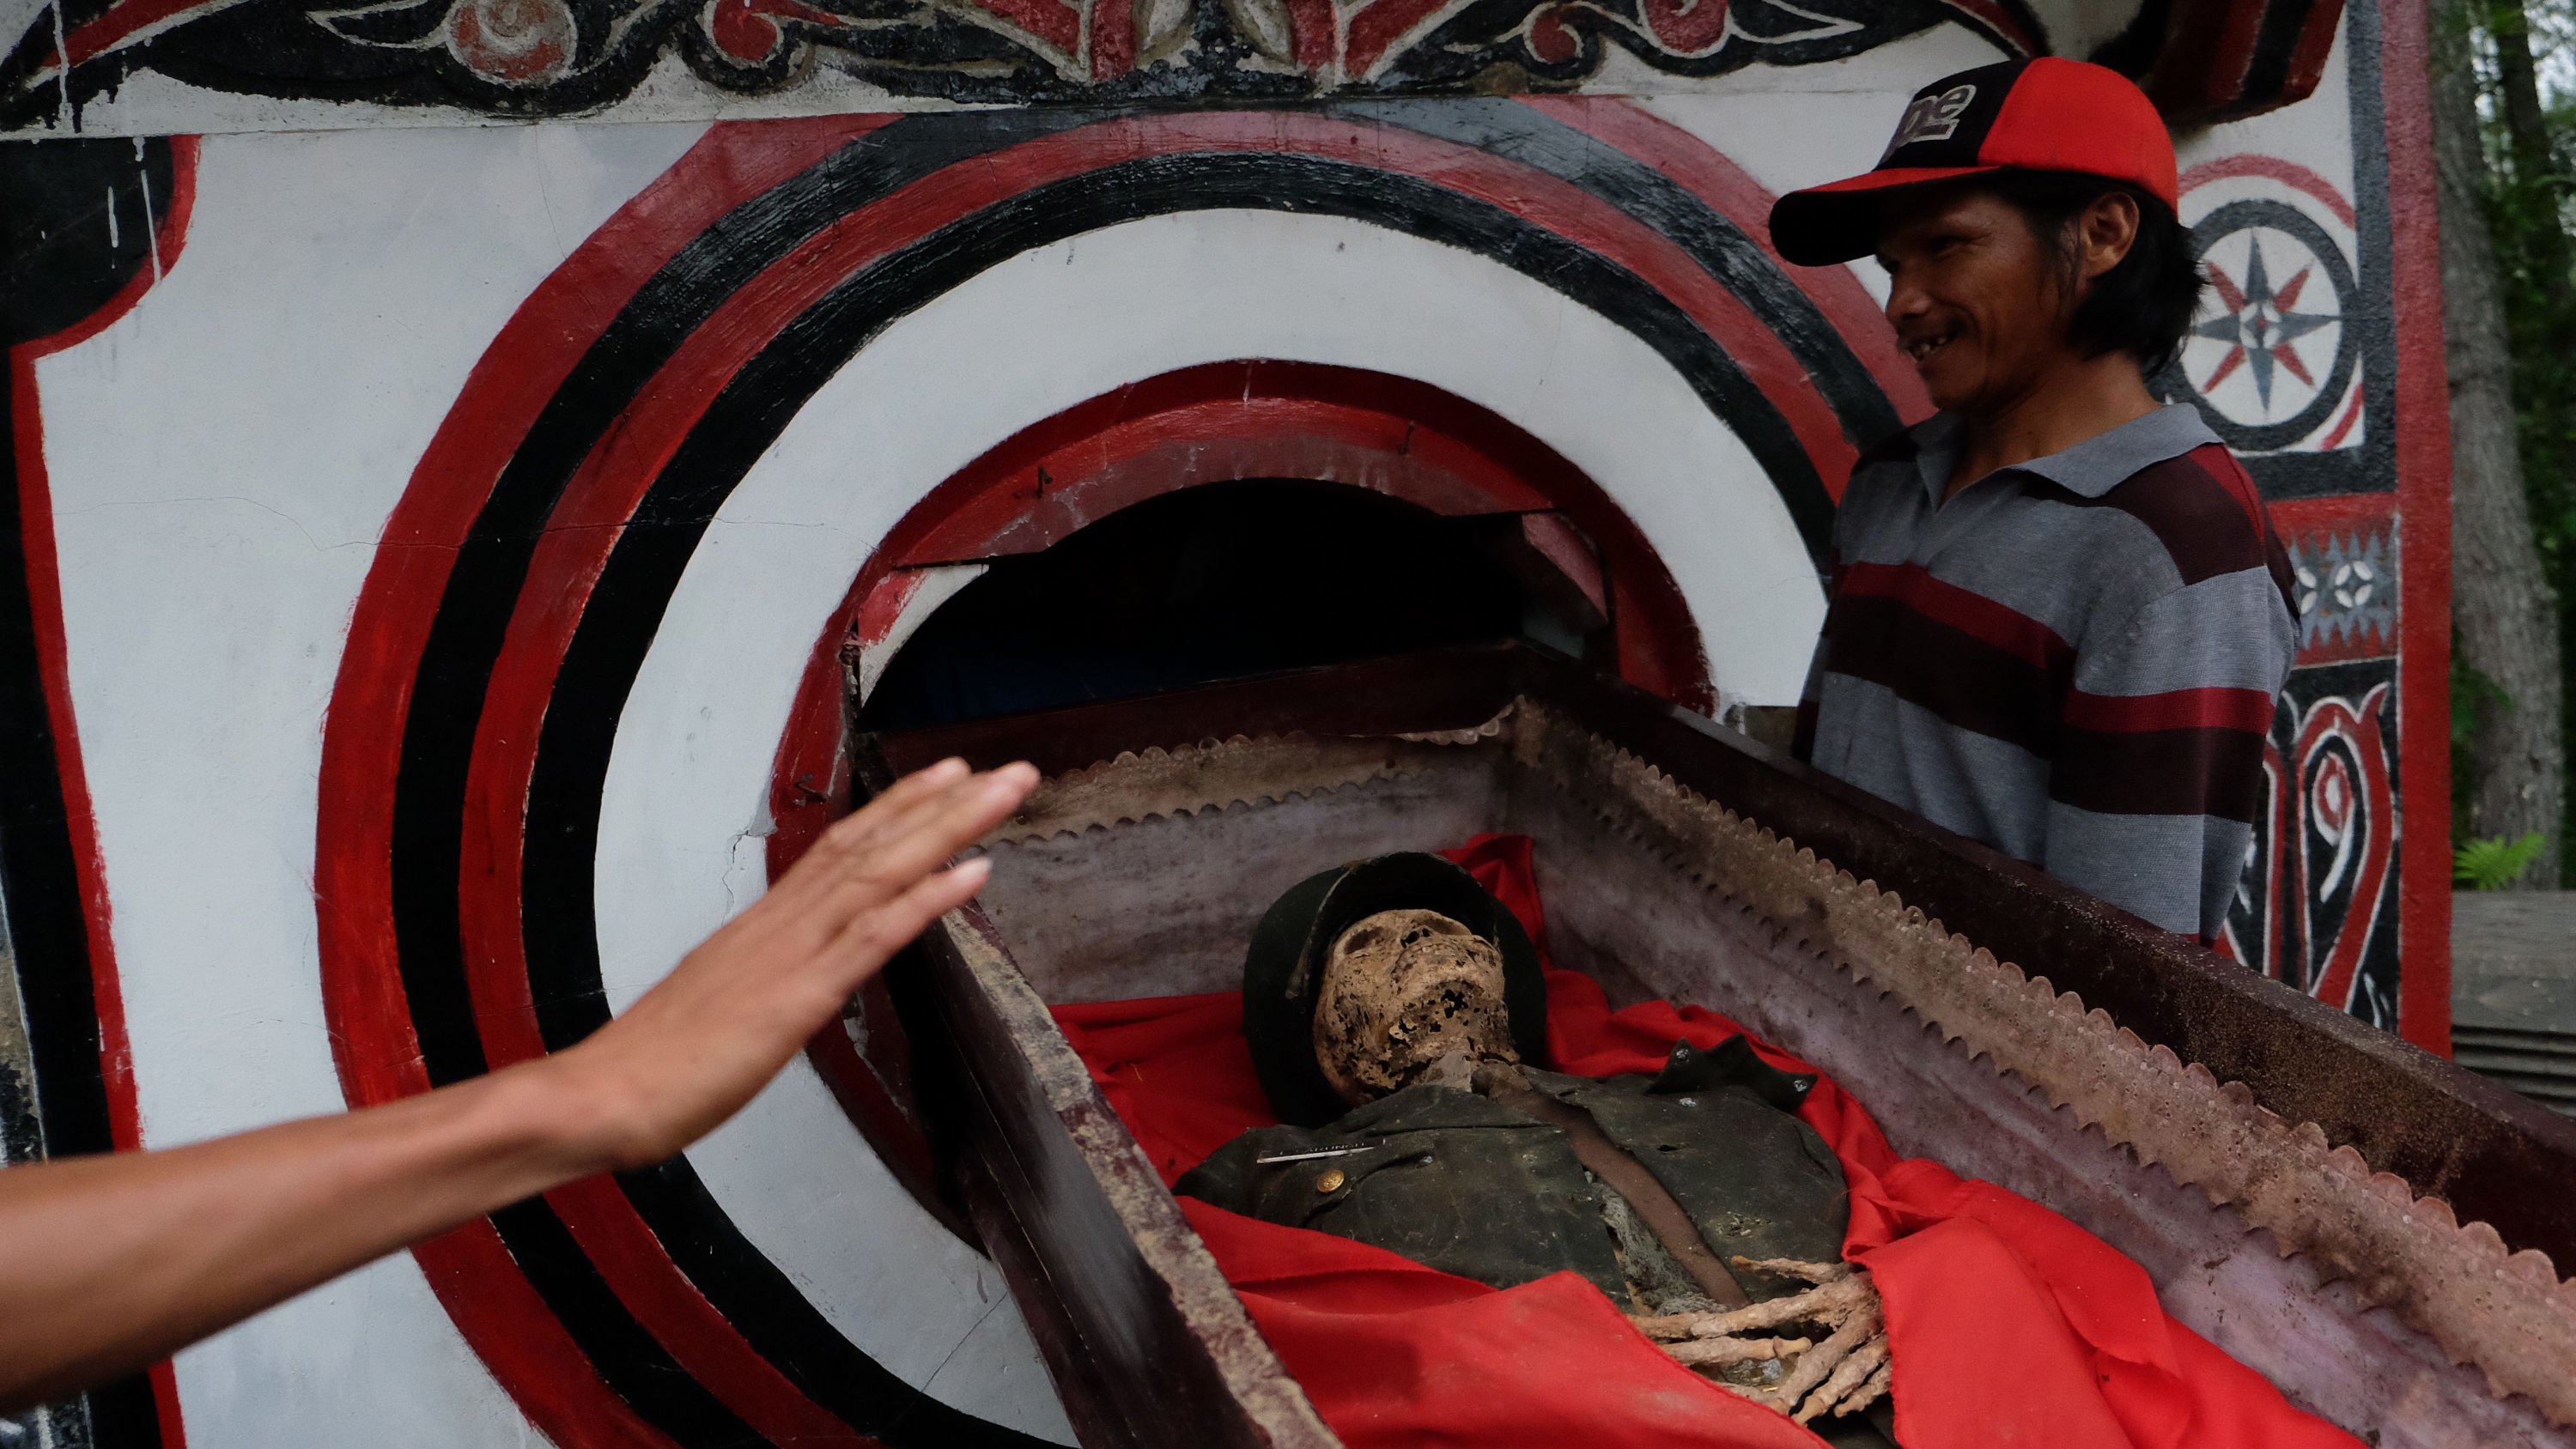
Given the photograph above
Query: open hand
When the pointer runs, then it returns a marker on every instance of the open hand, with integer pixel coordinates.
(699, 1045)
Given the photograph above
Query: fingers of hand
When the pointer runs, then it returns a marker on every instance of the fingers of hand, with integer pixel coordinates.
(877, 934)
(1839, 1375)
(921, 821)
(931, 831)
(854, 832)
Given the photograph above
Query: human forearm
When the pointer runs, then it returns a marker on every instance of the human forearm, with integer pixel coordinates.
(109, 1263)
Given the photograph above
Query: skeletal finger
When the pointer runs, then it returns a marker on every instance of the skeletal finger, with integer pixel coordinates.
(1799, 1309)
(1818, 1273)
(1704, 1352)
(1870, 1391)
(1665, 1326)
(1847, 1376)
(1831, 1303)
(1814, 1367)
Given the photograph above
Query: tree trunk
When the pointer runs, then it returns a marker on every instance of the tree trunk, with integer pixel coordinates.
(2535, 162)
(2506, 617)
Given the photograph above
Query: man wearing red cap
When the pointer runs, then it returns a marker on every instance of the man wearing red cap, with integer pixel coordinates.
(2059, 616)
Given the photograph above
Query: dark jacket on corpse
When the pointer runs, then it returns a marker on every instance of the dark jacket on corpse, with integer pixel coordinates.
(1470, 1186)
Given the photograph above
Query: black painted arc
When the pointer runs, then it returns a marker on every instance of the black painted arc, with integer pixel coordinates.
(47, 917)
(2374, 240)
(483, 586)
(49, 920)
(491, 567)
(1721, 248)
(558, 921)
(2276, 44)
(636, 1366)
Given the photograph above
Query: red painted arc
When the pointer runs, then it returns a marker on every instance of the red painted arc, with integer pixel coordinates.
(2288, 173)
(45, 604)
(470, 1270)
(567, 562)
(1373, 430)
(377, 1057)
(606, 488)
(2343, 427)
(1217, 421)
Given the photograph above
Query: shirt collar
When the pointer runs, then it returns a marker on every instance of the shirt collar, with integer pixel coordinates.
(2089, 469)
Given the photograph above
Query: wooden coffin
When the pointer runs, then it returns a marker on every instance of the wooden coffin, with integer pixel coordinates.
(2366, 1224)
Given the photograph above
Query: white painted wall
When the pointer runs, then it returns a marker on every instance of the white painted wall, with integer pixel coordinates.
(223, 460)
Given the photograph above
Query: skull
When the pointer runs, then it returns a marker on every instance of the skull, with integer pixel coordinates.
(1408, 996)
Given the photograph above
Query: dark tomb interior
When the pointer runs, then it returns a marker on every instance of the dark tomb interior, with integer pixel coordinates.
(1219, 582)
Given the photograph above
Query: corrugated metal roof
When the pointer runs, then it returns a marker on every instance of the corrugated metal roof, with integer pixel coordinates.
(2513, 991)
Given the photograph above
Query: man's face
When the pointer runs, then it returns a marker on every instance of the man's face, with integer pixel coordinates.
(1978, 302)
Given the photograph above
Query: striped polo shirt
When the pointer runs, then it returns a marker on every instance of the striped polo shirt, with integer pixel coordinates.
(2074, 660)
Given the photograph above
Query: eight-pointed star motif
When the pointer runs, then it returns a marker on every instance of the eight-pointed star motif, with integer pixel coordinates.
(2258, 324)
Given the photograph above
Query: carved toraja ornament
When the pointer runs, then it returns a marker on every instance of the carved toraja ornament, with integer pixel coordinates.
(2201, 61)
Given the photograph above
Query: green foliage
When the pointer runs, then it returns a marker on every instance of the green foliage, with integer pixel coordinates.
(2492, 863)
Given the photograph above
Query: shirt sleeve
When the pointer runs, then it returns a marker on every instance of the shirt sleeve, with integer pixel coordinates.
(2158, 775)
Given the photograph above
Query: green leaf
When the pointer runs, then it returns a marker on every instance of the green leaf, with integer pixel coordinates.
(2493, 863)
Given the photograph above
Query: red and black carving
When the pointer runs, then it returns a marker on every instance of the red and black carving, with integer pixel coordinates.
(555, 57)
(552, 57)
(2216, 60)
(2317, 908)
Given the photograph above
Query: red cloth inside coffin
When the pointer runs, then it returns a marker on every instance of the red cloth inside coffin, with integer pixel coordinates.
(2008, 1324)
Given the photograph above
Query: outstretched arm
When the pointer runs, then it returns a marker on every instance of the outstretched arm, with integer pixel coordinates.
(109, 1263)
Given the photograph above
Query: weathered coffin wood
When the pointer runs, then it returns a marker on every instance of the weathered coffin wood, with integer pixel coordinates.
(1142, 876)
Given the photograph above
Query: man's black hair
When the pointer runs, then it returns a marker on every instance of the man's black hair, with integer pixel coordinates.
(2143, 305)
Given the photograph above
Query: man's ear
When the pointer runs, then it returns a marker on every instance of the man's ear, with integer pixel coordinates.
(2104, 232)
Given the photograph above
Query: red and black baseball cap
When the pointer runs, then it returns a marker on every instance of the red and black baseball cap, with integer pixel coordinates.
(2031, 115)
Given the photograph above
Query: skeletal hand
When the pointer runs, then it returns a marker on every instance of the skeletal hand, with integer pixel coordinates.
(1845, 1373)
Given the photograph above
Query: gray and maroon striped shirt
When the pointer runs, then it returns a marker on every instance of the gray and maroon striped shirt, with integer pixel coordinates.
(2074, 661)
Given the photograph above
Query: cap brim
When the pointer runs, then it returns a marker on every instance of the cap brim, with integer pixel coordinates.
(1838, 221)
